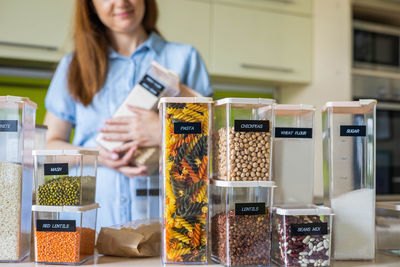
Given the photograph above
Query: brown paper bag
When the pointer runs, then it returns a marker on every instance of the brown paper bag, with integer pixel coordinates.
(135, 239)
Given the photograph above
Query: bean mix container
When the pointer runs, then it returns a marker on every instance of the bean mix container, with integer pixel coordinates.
(64, 234)
(388, 227)
(185, 170)
(65, 177)
(243, 134)
(293, 154)
(301, 235)
(17, 125)
(241, 222)
(349, 176)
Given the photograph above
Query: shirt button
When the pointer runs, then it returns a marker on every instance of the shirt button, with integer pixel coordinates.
(123, 199)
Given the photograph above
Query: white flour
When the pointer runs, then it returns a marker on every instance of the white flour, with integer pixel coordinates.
(293, 168)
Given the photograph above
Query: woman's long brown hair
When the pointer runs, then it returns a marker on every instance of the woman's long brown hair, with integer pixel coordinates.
(88, 68)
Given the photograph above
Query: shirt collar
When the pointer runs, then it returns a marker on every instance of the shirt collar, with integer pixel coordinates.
(154, 42)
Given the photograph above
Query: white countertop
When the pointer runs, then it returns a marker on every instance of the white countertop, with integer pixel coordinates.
(99, 260)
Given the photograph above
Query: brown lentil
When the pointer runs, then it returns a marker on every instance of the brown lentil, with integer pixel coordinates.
(248, 238)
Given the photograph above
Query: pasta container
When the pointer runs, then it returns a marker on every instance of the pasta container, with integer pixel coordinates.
(185, 170)
(388, 228)
(241, 222)
(17, 126)
(301, 235)
(293, 154)
(64, 234)
(65, 177)
(242, 147)
(349, 176)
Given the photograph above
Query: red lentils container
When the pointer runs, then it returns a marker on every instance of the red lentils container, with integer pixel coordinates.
(241, 222)
(64, 234)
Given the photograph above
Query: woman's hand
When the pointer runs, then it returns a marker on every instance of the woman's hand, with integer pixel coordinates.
(112, 160)
(143, 129)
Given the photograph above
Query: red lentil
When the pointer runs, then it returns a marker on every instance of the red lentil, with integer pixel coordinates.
(68, 247)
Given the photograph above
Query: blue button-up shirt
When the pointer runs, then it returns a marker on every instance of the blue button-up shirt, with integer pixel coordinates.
(121, 198)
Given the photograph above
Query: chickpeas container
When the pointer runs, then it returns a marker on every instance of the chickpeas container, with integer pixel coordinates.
(241, 222)
(301, 235)
(242, 147)
(64, 234)
(185, 169)
(65, 177)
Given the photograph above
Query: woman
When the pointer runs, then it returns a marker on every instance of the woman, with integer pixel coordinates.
(115, 42)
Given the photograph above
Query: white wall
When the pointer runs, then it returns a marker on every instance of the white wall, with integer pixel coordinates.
(331, 68)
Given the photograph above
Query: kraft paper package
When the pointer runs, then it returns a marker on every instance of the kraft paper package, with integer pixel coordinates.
(140, 238)
(157, 82)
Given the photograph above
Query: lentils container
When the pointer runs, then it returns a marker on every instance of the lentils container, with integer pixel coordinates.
(65, 177)
(17, 126)
(349, 176)
(388, 228)
(64, 234)
(301, 235)
(241, 222)
(242, 147)
(293, 154)
(185, 169)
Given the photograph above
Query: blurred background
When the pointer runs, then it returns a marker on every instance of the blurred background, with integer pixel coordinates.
(296, 51)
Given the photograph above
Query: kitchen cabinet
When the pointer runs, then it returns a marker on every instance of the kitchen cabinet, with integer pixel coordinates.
(187, 21)
(259, 44)
(297, 7)
(35, 30)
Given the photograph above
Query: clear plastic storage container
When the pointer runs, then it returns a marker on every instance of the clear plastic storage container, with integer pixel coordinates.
(241, 222)
(185, 170)
(242, 144)
(64, 234)
(65, 177)
(349, 176)
(301, 235)
(17, 126)
(293, 154)
(388, 227)
(40, 136)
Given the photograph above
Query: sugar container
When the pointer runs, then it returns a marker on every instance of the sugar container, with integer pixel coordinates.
(17, 126)
(184, 176)
(349, 176)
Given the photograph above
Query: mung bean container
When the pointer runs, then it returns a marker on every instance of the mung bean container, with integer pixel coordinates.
(64, 234)
(293, 154)
(240, 220)
(242, 139)
(65, 177)
(349, 176)
(185, 167)
(17, 126)
(301, 235)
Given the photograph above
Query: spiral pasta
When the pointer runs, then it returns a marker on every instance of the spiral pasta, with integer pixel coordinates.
(186, 184)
